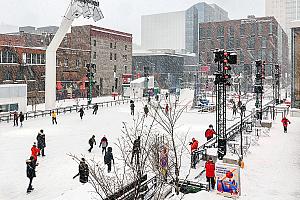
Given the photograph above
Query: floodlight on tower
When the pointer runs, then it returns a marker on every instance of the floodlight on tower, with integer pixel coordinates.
(77, 8)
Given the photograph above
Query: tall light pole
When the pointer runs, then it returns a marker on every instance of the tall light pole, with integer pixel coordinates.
(87, 9)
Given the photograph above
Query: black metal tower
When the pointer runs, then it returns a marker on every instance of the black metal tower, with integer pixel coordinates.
(277, 84)
(222, 79)
(258, 88)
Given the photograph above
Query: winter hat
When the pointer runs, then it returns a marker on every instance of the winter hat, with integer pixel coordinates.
(34, 144)
(42, 131)
(193, 139)
(210, 126)
(82, 160)
(210, 158)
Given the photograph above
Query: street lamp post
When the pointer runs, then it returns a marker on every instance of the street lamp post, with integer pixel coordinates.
(243, 109)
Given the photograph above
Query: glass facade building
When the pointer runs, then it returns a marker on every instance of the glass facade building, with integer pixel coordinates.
(295, 67)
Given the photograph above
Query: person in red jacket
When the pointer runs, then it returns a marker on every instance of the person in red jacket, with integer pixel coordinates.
(210, 173)
(194, 147)
(209, 133)
(35, 152)
(285, 122)
(167, 108)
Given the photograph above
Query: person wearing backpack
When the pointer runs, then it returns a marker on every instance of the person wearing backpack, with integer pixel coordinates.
(108, 158)
(83, 172)
(104, 144)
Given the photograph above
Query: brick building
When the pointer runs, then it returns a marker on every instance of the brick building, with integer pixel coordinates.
(110, 50)
(251, 38)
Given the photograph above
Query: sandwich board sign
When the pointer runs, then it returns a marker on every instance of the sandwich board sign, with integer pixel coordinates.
(228, 181)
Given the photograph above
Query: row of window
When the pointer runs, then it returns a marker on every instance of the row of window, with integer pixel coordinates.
(234, 43)
(33, 58)
(256, 29)
(111, 45)
(8, 57)
(262, 54)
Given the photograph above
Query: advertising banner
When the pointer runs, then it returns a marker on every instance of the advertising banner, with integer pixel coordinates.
(228, 180)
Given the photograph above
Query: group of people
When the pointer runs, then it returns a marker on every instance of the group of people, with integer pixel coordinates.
(31, 163)
(108, 155)
(18, 117)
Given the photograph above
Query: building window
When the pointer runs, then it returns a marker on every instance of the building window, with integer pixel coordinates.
(251, 42)
(125, 69)
(77, 63)
(253, 29)
(241, 56)
(66, 63)
(201, 33)
(270, 57)
(271, 28)
(125, 57)
(208, 33)
(237, 43)
(125, 47)
(94, 43)
(260, 29)
(222, 43)
(111, 56)
(43, 59)
(8, 76)
(115, 46)
(220, 32)
(33, 58)
(115, 68)
(115, 56)
(242, 29)
(230, 44)
(263, 42)
(38, 59)
(94, 55)
(231, 31)
(208, 57)
(212, 44)
(84, 63)
(111, 46)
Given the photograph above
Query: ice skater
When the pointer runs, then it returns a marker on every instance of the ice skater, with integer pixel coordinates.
(16, 118)
(53, 114)
(30, 171)
(136, 149)
(132, 107)
(41, 142)
(103, 143)
(83, 172)
(21, 117)
(285, 123)
(146, 110)
(234, 109)
(81, 112)
(108, 158)
(35, 152)
(95, 107)
(92, 141)
(194, 147)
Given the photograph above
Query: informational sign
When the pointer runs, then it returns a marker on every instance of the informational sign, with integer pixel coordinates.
(228, 180)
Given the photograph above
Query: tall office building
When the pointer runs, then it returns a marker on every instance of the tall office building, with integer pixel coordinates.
(179, 30)
(284, 11)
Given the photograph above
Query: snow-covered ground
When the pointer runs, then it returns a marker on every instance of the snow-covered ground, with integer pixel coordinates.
(54, 174)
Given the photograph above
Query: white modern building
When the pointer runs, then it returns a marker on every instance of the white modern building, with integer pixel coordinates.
(178, 30)
(13, 97)
(285, 11)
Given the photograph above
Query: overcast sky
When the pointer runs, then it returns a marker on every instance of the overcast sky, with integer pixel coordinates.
(123, 15)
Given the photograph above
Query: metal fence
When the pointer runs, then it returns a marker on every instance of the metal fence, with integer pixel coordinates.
(232, 131)
(7, 117)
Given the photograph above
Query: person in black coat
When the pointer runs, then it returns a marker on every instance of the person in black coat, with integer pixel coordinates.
(81, 112)
(136, 148)
(132, 107)
(41, 141)
(146, 110)
(95, 107)
(30, 171)
(16, 118)
(83, 172)
(92, 141)
(21, 117)
(108, 157)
